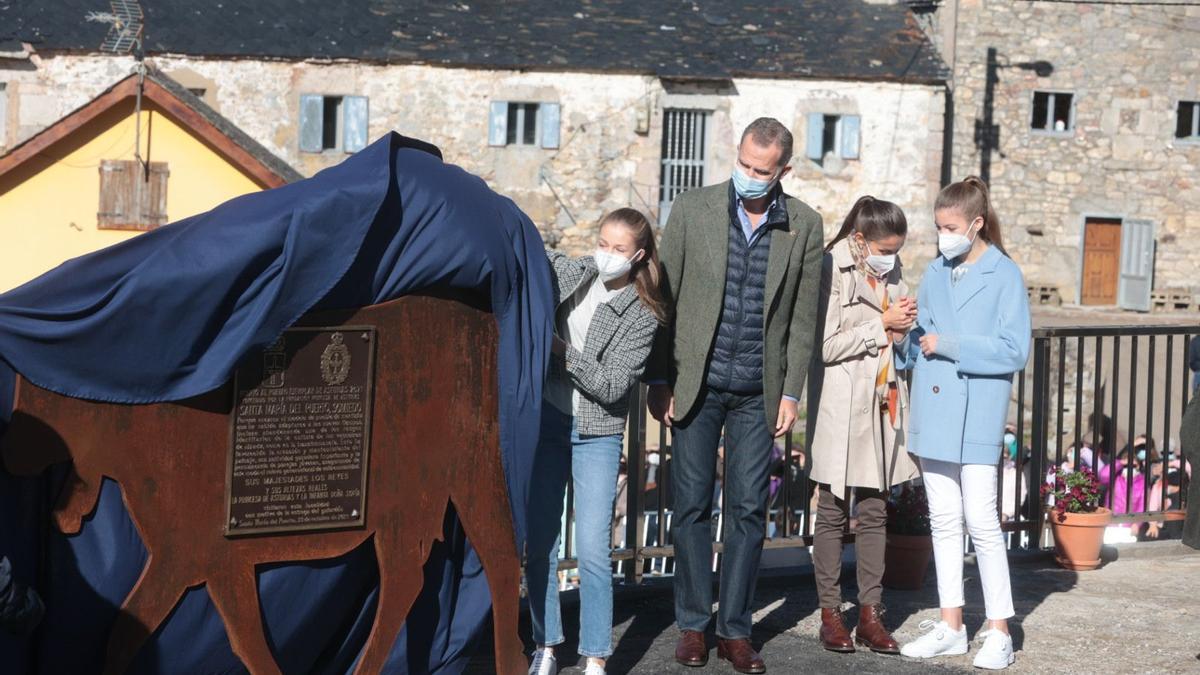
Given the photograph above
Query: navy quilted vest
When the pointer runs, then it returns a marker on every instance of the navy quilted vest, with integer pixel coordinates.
(736, 362)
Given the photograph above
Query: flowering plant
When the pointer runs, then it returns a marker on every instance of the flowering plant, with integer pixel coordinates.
(1073, 492)
(908, 511)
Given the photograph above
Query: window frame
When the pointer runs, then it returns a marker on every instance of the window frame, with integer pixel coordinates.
(547, 123)
(339, 121)
(517, 129)
(836, 147)
(344, 103)
(1051, 131)
(1194, 138)
(838, 136)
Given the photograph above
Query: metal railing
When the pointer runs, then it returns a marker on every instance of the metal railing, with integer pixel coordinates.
(1052, 413)
(1143, 394)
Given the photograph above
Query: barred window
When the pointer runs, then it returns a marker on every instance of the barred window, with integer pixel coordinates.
(684, 152)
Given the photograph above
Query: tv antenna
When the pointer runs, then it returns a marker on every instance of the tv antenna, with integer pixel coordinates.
(127, 24)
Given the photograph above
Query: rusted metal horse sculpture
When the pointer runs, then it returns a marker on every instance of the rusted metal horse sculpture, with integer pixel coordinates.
(434, 439)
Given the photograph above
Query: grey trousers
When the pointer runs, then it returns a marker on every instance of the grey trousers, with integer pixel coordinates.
(870, 541)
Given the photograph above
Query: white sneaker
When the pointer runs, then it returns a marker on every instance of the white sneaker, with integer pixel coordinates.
(996, 652)
(544, 663)
(593, 668)
(939, 640)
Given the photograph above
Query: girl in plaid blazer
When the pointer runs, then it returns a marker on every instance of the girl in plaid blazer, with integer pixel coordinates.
(609, 308)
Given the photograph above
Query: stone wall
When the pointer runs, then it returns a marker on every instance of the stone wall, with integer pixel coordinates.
(1128, 67)
(611, 130)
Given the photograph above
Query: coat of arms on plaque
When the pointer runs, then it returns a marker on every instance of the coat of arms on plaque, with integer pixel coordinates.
(274, 364)
(335, 361)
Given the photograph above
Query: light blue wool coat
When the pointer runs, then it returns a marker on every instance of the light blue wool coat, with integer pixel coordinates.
(960, 394)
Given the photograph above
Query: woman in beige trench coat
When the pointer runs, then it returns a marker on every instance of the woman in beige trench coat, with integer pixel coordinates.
(861, 405)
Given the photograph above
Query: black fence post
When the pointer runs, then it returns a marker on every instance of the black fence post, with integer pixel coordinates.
(635, 492)
(1037, 472)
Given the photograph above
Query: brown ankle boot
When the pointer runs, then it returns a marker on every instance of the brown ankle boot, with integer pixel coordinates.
(834, 635)
(871, 633)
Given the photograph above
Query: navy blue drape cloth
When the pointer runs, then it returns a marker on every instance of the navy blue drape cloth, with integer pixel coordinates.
(167, 315)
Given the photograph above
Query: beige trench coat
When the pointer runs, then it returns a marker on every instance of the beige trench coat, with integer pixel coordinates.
(851, 441)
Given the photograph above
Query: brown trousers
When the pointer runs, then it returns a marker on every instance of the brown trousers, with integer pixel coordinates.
(870, 540)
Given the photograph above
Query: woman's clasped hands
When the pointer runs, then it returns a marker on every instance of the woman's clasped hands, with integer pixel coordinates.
(900, 316)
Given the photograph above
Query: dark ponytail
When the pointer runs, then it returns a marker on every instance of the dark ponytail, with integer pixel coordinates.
(971, 198)
(874, 219)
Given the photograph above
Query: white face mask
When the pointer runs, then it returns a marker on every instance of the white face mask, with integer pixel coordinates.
(953, 245)
(881, 265)
(612, 266)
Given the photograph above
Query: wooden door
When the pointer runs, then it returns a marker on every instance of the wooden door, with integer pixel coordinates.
(1101, 260)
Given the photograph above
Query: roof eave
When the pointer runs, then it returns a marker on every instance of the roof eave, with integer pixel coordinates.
(662, 72)
(242, 157)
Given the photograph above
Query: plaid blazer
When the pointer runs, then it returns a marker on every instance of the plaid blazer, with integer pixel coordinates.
(615, 351)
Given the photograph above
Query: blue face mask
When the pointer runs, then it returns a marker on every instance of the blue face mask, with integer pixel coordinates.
(1010, 442)
(750, 188)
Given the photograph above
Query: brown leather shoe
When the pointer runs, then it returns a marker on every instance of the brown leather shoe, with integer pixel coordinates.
(871, 633)
(691, 650)
(741, 655)
(834, 635)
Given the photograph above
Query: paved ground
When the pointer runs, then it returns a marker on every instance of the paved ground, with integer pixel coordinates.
(1140, 613)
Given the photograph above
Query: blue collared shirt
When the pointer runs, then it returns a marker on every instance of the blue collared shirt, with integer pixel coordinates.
(752, 233)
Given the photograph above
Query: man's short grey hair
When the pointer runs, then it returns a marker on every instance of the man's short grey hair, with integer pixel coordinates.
(768, 131)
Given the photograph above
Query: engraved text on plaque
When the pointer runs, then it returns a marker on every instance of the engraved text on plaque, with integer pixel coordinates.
(301, 431)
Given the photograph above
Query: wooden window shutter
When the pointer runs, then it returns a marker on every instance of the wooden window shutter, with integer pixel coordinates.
(154, 197)
(355, 123)
(312, 112)
(1137, 264)
(498, 123)
(116, 194)
(551, 116)
(815, 137)
(131, 199)
(850, 136)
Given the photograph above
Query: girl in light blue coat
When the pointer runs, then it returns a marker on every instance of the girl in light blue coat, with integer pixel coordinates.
(973, 333)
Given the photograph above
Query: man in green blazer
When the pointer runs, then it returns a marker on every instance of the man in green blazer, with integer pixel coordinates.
(741, 272)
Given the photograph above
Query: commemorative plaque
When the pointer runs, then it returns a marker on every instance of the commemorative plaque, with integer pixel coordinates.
(300, 433)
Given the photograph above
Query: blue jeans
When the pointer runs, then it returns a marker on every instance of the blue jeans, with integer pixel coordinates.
(693, 471)
(592, 461)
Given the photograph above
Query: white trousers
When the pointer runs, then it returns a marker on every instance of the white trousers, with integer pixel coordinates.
(967, 491)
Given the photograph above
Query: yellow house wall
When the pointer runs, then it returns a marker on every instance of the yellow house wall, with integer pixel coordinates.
(48, 206)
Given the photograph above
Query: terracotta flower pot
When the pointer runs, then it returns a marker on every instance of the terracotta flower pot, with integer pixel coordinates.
(1077, 540)
(905, 560)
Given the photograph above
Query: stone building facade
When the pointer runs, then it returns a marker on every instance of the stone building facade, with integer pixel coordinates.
(1114, 186)
(877, 115)
(1094, 174)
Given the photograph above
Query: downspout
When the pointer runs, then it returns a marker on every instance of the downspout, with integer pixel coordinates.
(950, 55)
